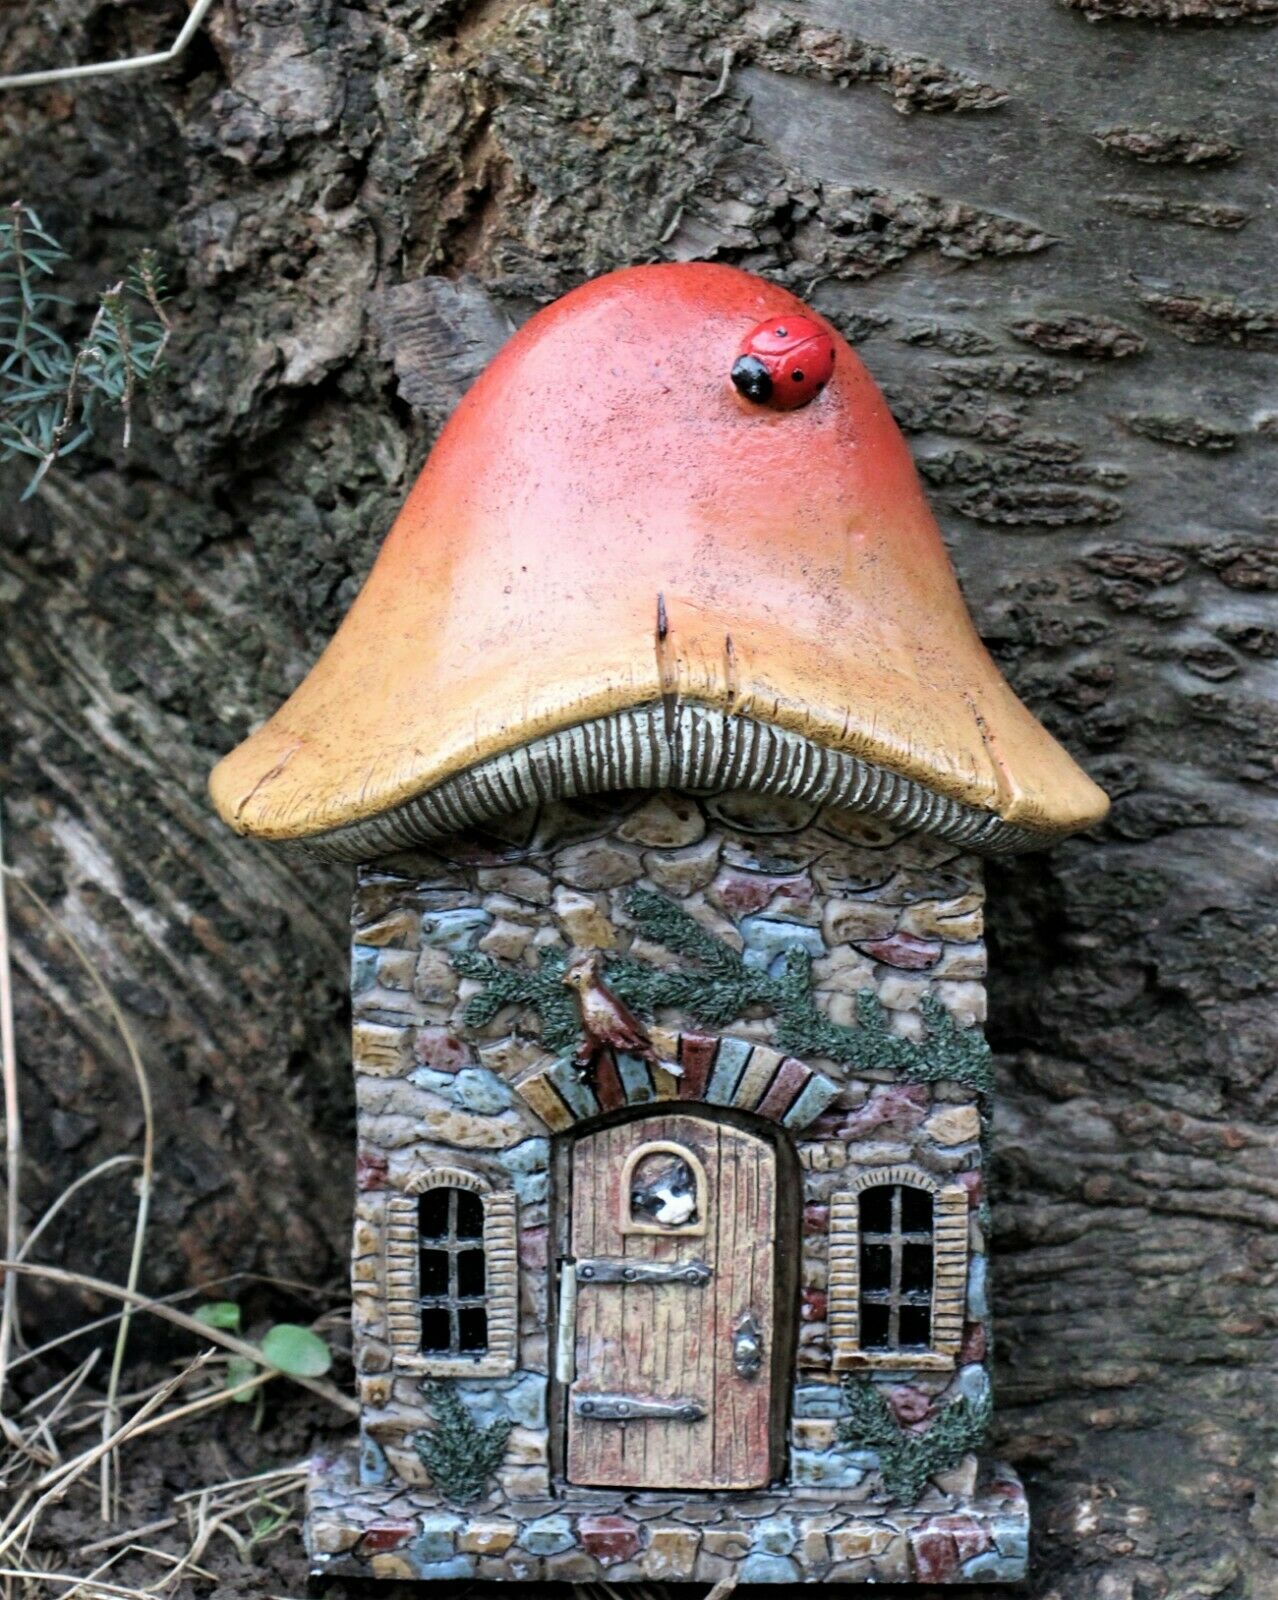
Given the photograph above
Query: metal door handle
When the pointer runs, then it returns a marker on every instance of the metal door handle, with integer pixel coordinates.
(747, 1347)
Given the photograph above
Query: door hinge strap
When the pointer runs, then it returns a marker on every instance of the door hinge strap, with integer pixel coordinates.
(600, 1269)
(635, 1408)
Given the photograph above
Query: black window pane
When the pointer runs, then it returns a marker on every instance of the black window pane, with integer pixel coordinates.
(916, 1326)
(916, 1266)
(452, 1270)
(432, 1214)
(470, 1272)
(470, 1215)
(876, 1209)
(874, 1327)
(472, 1324)
(436, 1335)
(434, 1272)
(876, 1266)
(916, 1211)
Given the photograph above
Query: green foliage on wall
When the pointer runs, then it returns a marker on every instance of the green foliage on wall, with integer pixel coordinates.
(718, 988)
(908, 1460)
(459, 1455)
(541, 990)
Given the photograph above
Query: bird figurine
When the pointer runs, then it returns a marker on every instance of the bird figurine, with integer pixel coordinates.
(606, 1022)
(667, 1197)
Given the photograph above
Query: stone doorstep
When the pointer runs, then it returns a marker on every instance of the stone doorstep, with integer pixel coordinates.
(395, 1531)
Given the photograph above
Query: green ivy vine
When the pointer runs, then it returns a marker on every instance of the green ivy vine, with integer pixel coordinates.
(718, 988)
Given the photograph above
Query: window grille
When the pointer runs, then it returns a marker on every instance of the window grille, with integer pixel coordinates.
(452, 1288)
(897, 1271)
(451, 1274)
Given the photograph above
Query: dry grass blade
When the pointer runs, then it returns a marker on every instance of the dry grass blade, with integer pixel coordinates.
(103, 1167)
(206, 1402)
(65, 1475)
(12, 1147)
(65, 1385)
(204, 1290)
(177, 1566)
(130, 1536)
(157, 1308)
(210, 1517)
(46, 1419)
(90, 1586)
(299, 1470)
(723, 1588)
(110, 1416)
(104, 69)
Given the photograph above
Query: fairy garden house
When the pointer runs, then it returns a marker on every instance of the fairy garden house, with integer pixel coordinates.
(666, 753)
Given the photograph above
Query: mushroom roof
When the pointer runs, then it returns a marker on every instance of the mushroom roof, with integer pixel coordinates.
(615, 571)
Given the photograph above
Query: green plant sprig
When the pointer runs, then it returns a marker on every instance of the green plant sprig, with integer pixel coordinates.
(459, 1455)
(907, 1460)
(50, 389)
(719, 988)
(286, 1347)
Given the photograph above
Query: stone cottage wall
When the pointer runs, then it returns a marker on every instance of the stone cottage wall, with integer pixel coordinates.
(901, 919)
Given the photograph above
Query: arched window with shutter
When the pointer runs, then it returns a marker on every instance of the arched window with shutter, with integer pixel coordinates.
(451, 1276)
(898, 1270)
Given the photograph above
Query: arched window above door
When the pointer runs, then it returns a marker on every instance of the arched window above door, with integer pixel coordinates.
(663, 1190)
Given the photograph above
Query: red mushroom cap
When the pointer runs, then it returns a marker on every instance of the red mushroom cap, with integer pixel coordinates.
(613, 572)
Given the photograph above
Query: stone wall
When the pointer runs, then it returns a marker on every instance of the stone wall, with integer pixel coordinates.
(900, 919)
(392, 1532)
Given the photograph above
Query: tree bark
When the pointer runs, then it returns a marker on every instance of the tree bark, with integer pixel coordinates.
(1047, 227)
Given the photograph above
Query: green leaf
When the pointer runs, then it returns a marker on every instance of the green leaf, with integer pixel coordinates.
(239, 1369)
(220, 1314)
(907, 1459)
(296, 1351)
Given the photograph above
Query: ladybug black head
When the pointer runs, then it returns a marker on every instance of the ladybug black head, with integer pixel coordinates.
(752, 379)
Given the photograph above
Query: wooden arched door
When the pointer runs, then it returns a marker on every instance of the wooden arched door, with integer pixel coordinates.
(674, 1221)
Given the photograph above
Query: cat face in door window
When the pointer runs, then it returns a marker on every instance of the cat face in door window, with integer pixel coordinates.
(663, 1190)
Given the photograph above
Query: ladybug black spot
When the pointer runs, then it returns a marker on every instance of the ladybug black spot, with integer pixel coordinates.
(752, 379)
(797, 375)
(780, 333)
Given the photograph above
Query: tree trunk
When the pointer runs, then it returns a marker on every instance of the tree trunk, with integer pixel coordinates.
(1047, 227)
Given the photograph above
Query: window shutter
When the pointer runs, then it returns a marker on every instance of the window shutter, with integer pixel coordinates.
(950, 1282)
(844, 1294)
(501, 1247)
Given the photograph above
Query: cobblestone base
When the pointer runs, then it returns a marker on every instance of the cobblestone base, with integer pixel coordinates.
(396, 1531)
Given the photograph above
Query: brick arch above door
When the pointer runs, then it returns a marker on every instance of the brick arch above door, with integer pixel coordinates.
(713, 1069)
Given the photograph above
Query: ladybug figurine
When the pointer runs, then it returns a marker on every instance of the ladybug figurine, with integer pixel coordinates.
(784, 363)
